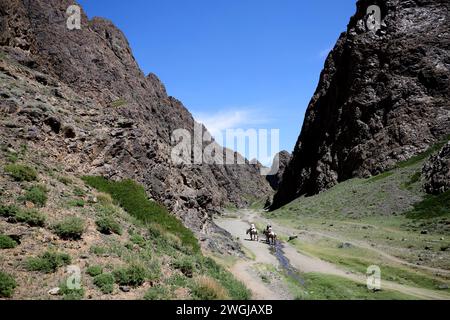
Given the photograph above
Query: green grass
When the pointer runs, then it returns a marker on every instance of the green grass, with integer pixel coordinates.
(328, 287)
(431, 207)
(65, 180)
(78, 203)
(21, 172)
(105, 282)
(158, 292)
(70, 294)
(31, 217)
(185, 265)
(48, 262)
(236, 289)
(133, 275)
(77, 191)
(412, 180)
(37, 195)
(6, 242)
(70, 228)
(380, 177)
(94, 271)
(133, 199)
(8, 211)
(107, 225)
(424, 155)
(7, 285)
(118, 103)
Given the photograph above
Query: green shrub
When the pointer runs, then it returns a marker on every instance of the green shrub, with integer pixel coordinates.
(207, 288)
(64, 180)
(21, 172)
(185, 265)
(70, 229)
(108, 225)
(48, 262)
(6, 242)
(133, 198)
(79, 192)
(8, 211)
(31, 217)
(7, 285)
(76, 203)
(158, 292)
(94, 271)
(138, 239)
(98, 250)
(105, 282)
(133, 275)
(70, 294)
(36, 195)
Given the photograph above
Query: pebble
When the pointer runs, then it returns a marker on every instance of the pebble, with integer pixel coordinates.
(124, 288)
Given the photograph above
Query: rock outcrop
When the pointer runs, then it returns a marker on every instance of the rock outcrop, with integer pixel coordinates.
(281, 161)
(383, 97)
(437, 172)
(80, 96)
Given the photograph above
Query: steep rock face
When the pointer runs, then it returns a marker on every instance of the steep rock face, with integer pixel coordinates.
(80, 96)
(437, 172)
(281, 161)
(382, 97)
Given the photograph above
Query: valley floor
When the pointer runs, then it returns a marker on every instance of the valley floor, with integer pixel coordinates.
(324, 264)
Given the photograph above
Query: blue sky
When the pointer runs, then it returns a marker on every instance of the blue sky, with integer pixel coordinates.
(233, 63)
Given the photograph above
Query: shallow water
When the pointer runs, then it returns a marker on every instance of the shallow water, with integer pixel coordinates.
(291, 272)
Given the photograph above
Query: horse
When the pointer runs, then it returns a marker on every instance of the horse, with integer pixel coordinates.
(253, 234)
(270, 236)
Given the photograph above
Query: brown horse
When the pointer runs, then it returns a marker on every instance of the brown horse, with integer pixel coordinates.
(253, 234)
(270, 236)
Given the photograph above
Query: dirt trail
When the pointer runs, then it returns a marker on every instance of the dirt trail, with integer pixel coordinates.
(244, 270)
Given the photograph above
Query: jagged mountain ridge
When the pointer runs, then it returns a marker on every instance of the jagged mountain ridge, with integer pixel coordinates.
(82, 97)
(382, 98)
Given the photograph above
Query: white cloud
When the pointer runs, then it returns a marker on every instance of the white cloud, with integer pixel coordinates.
(230, 119)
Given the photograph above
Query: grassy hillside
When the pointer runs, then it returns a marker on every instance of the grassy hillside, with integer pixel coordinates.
(126, 246)
(374, 221)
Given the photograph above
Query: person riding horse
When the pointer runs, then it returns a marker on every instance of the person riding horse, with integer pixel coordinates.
(270, 235)
(253, 232)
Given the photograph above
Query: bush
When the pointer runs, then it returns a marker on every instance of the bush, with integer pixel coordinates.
(133, 276)
(206, 288)
(7, 285)
(105, 282)
(31, 217)
(64, 180)
(70, 229)
(133, 198)
(431, 207)
(79, 192)
(157, 293)
(21, 172)
(48, 262)
(108, 225)
(185, 265)
(76, 203)
(94, 271)
(6, 242)
(8, 211)
(70, 294)
(138, 239)
(36, 195)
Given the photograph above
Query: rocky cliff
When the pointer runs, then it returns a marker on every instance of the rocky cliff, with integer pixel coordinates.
(79, 98)
(281, 161)
(437, 172)
(383, 97)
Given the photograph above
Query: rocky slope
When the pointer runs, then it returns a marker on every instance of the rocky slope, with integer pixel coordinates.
(80, 96)
(383, 97)
(437, 172)
(281, 161)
